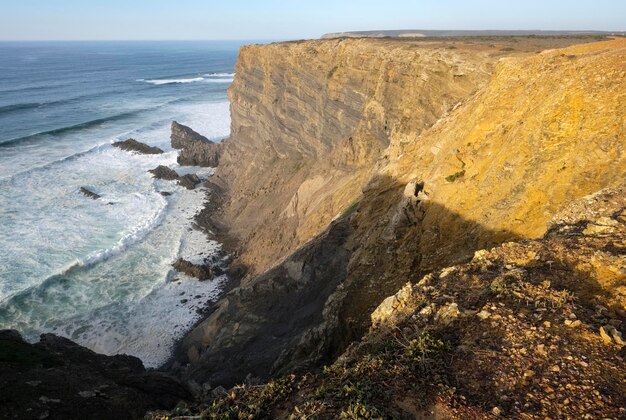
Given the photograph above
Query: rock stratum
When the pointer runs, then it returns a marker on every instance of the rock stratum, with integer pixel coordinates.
(372, 163)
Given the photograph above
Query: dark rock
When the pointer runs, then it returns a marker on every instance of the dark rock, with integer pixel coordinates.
(73, 382)
(89, 194)
(200, 272)
(132, 145)
(197, 150)
(163, 172)
(189, 181)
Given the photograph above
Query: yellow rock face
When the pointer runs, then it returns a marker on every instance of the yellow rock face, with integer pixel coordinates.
(315, 122)
(547, 129)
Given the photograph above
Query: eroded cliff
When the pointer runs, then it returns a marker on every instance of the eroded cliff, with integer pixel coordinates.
(355, 166)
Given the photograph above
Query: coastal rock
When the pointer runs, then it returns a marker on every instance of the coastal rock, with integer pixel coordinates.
(58, 379)
(132, 145)
(197, 150)
(163, 172)
(89, 193)
(201, 272)
(189, 181)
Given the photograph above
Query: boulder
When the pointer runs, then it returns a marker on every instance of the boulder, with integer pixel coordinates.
(201, 272)
(163, 172)
(189, 181)
(132, 145)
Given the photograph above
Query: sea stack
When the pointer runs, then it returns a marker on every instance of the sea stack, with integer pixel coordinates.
(196, 150)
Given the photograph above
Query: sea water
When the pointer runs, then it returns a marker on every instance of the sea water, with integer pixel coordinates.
(99, 271)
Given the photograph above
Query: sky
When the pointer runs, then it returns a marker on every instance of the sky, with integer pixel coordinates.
(289, 19)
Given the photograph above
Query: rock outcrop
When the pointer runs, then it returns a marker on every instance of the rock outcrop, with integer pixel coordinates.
(164, 172)
(196, 150)
(388, 160)
(189, 181)
(132, 145)
(58, 379)
(89, 193)
(201, 272)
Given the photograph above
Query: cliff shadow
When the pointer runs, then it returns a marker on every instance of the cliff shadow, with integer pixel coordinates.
(304, 312)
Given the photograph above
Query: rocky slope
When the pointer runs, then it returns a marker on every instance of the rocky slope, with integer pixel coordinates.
(355, 166)
(529, 329)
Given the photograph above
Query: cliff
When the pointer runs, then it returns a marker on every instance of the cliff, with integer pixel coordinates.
(355, 166)
(529, 329)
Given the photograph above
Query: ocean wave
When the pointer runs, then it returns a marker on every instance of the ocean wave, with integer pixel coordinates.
(35, 105)
(171, 81)
(217, 78)
(134, 235)
(75, 127)
(231, 75)
(18, 107)
(57, 161)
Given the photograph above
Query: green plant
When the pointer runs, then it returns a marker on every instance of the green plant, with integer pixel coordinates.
(455, 176)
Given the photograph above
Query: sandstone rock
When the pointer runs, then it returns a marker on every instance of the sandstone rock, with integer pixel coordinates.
(483, 314)
(132, 145)
(617, 336)
(605, 336)
(89, 193)
(201, 272)
(163, 172)
(447, 314)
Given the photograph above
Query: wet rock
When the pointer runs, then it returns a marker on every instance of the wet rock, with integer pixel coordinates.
(200, 272)
(132, 145)
(163, 172)
(189, 181)
(89, 193)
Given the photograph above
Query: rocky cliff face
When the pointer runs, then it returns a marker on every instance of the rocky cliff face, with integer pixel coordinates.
(355, 166)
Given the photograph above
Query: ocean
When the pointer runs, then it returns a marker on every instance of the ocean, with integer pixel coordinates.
(99, 271)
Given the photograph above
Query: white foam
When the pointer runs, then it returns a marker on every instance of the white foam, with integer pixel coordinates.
(217, 78)
(231, 75)
(122, 298)
(171, 81)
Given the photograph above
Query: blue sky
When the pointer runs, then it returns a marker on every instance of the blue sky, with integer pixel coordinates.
(277, 19)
